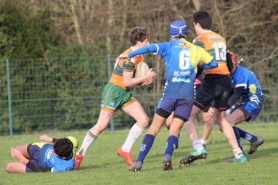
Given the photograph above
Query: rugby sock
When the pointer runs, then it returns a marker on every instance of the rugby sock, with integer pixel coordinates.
(197, 145)
(145, 147)
(171, 144)
(88, 140)
(237, 153)
(247, 136)
(133, 135)
(204, 142)
(237, 137)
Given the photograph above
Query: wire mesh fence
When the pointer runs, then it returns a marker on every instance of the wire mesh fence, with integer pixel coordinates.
(64, 94)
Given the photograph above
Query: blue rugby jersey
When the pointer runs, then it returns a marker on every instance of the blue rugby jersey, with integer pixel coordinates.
(243, 77)
(49, 159)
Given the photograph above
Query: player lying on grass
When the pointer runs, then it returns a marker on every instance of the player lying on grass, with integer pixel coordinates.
(246, 88)
(181, 58)
(116, 95)
(43, 156)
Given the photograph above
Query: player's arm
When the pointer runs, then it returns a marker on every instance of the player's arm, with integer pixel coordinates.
(199, 71)
(46, 138)
(229, 61)
(146, 49)
(236, 95)
(128, 72)
(212, 64)
(206, 60)
(37, 168)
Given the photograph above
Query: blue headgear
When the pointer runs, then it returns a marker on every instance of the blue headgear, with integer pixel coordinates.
(178, 27)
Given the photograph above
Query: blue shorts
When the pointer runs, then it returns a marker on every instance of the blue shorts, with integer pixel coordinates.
(250, 113)
(34, 153)
(181, 107)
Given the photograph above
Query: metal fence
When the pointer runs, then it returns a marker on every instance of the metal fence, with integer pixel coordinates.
(64, 94)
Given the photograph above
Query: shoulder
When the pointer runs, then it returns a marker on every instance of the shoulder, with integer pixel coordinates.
(199, 38)
(127, 51)
(62, 165)
(215, 36)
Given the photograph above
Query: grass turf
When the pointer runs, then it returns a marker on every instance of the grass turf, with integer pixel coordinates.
(102, 165)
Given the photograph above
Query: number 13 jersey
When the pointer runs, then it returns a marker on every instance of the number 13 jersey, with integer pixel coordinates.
(215, 44)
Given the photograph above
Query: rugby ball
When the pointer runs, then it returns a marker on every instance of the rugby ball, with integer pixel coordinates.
(142, 70)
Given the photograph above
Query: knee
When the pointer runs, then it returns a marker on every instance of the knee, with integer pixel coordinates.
(143, 122)
(209, 119)
(8, 168)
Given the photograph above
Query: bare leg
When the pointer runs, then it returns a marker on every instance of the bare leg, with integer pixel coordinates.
(208, 118)
(16, 167)
(190, 126)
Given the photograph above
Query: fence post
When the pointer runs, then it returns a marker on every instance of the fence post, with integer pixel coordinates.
(9, 98)
(109, 72)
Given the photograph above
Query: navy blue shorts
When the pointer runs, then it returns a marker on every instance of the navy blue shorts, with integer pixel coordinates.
(181, 107)
(34, 152)
(250, 114)
(215, 89)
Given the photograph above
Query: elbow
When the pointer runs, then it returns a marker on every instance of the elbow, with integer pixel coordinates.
(126, 83)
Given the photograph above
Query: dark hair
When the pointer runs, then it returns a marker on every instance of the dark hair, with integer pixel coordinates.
(203, 18)
(63, 147)
(180, 36)
(138, 34)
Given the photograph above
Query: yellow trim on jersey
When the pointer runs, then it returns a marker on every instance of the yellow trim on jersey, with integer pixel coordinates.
(197, 54)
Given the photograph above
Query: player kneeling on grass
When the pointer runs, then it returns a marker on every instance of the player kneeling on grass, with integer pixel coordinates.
(181, 58)
(246, 87)
(43, 156)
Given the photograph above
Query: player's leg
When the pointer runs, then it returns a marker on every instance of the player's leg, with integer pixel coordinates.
(169, 120)
(163, 111)
(16, 167)
(204, 97)
(23, 150)
(227, 130)
(245, 113)
(109, 93)
(136, 111)
(91, 135)
(181, 115)
(168, 124)
(148, 139)
(30, 151)
(190, 127)
(208, 118)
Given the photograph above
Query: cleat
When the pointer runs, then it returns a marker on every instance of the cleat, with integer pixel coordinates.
(241, 159)
(167, 165)
(195, 155)
(126, 156)
(255, 145)
(78, 160)
(136, 167)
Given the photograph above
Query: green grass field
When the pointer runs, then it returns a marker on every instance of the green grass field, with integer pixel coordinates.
(102, 165)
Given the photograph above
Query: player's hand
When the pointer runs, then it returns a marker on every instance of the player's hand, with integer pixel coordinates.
(149, 77)
(16, 154)
(46, 138)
